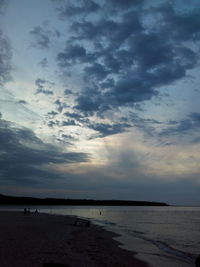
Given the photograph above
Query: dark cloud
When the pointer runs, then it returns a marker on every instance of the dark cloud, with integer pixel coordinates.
(52, 123)
(52, 113)
(195, 117)
(108, 129)
(5, 59)
(74, 54)
(150, 50)
(155, 52)
(76, 116)
(23, 102)
(87, 30)
(102, 129)
(90, 100)
(125, 4)
(45, 92)
(96, 71)
(69, 123)
(68, 137)
(132, 89)
(88, 105)
(148, 126)
(128, 61)
(68, 92)
(188, 125)
(41, 85)
(125, 62)
(23, 155)
(44, 63)
(78, 8)
(182, 26)
(127, 25)
(42, 37)
(107, 83)
(93, 101)
(60, 105)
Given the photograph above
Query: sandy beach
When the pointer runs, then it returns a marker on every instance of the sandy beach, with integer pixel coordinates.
(52, 240)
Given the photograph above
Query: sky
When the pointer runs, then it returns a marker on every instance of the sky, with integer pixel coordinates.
(100, 99)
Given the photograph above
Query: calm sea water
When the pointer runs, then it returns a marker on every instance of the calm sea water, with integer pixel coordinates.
(161, 236)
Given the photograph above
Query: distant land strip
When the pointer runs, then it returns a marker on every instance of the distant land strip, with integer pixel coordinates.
(12, 200)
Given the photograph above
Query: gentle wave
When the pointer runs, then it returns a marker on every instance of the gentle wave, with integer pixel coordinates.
(103, 222)
(163, 246)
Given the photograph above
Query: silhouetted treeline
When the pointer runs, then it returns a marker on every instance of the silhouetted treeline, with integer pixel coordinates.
(10, 200)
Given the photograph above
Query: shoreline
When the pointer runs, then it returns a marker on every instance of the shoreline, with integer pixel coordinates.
(37, 239)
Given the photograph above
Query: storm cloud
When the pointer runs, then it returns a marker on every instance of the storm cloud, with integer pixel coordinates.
(140, 59)
(23, 155)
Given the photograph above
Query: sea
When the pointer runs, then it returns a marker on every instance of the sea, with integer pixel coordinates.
(160, 236)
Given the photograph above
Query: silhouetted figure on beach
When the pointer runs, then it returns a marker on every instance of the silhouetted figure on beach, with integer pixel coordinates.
(25, 211)
(36, 211)
(28, 211)
(100, 213)
(197, 262)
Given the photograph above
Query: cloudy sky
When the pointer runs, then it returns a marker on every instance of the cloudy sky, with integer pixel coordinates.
(100, 99)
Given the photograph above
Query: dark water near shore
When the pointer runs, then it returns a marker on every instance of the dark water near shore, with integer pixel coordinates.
(161, 236)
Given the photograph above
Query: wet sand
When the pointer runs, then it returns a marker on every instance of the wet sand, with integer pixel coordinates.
(37, 239)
